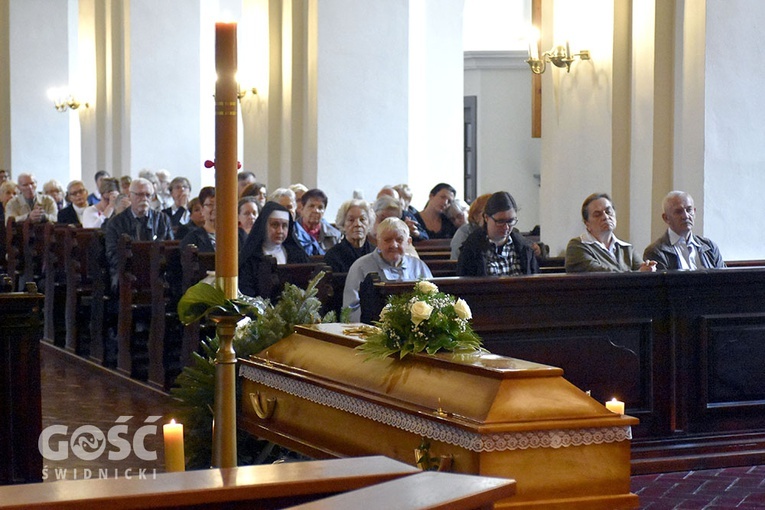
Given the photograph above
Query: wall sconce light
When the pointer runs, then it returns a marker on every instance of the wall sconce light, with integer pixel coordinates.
(559, 56)
(62, 100)
(244, 91)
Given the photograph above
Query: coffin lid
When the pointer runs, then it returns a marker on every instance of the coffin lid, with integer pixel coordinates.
(482, 393)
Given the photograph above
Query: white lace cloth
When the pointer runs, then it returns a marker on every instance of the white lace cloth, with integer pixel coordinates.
(435, 430)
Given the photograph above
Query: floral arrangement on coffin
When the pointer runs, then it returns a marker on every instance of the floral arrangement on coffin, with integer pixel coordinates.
(423, 320)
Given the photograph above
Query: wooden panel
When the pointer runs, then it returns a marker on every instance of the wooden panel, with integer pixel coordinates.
(262, 487)
(21, 329)
(683, 349)
(431, 490)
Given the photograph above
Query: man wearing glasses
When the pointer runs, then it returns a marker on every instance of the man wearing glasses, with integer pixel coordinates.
(77, 196)
(139, 221)
(497, 248)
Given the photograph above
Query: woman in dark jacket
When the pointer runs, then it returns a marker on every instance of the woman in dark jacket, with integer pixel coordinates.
(272, 235)
(497, 249)
(354, 219)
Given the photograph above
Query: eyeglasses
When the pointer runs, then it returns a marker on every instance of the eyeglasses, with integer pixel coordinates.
(142, 195)
(78, 192)
(510, 223)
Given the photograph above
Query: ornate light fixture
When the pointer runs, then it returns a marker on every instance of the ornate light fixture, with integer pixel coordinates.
(559, 56)
(63, 100)
(242, 93)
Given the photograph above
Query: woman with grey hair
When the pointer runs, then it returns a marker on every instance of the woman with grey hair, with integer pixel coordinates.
(286, 198)
(389, 261)
(354, 219)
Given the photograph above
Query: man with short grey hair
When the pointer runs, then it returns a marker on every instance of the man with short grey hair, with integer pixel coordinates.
(139, 221)
(31, 205)
(679, 247)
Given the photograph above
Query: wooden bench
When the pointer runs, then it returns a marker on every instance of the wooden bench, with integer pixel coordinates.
(263, 487)
(143, 301)
(13, 255)
(682, 349)
(432, 245)
(429, 490)
(194, 267)
(273, 276)
(165, 340)
(79, 289)
(21, 329)
(55, 267)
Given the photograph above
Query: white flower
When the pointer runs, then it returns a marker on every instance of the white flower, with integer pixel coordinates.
(385, 310)
(462, 309)
(421, 312)
(426, 287)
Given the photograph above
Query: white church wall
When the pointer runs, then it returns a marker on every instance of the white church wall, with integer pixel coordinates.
(734, 162)
(508, 158)
(164, 87)
(41, 138)
(576, 118)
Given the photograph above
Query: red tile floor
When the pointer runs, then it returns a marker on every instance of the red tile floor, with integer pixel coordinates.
(738, 487)
(75, 393)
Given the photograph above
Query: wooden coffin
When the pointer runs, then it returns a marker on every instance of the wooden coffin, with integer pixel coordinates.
(484, 414)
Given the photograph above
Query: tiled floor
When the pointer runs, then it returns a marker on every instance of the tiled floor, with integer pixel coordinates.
(76, 395)
(738, 487)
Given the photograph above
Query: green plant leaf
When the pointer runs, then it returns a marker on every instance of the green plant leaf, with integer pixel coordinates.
(199, 301)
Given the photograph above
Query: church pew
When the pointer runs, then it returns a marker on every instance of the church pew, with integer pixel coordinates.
(273, 276)
(442, 267)
(13, 255)
(428, 490)
(680, 348)
(429, 255)
(134, 306)
(35, 241)
(21, 329)
(264, 487)
(79, 289)
(194, 267)
(745, 263)
(54, 267)
(102, 325)
(164, 342)
(143, 298)
(432, 245)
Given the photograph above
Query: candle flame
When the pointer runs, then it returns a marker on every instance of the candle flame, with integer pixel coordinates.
(172, 422)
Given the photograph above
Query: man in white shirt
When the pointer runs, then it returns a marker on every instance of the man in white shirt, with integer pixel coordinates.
(679, 248)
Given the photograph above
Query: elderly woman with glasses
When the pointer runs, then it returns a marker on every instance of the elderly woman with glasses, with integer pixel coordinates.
(497, 249)
(598, 249)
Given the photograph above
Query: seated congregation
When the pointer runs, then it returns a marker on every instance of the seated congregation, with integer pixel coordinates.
(107, 289)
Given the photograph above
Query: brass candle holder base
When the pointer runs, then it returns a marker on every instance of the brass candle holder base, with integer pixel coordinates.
(224, 428)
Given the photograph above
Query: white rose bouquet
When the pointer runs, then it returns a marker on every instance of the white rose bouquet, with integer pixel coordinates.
(423, 320)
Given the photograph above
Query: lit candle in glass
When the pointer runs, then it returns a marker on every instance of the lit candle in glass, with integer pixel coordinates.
(615, 406)
(175, 458)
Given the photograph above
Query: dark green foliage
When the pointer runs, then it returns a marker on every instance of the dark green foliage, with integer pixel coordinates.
(195, 386)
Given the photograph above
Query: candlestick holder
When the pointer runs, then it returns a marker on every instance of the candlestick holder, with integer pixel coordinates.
(224, 430)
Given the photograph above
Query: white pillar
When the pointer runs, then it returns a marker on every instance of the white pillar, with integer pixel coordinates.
(40, 138)
(576, 118)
